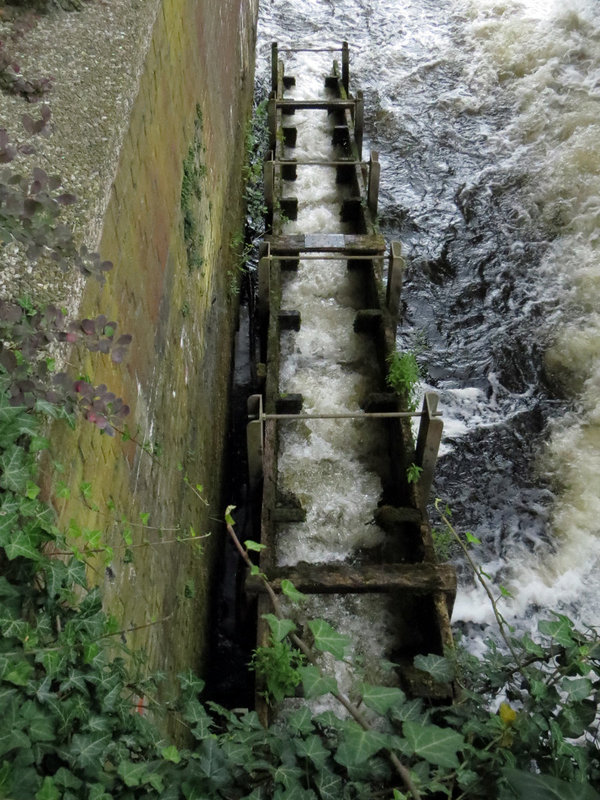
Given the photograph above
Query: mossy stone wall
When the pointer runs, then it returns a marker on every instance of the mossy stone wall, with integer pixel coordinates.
(194, 100)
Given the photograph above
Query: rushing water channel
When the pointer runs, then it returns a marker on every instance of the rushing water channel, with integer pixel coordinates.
(485, 115)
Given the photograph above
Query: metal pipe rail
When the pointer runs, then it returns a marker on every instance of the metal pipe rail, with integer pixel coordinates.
(325, 257)
(314, 105)
(342, 163)
(310, 50)
(347, 415)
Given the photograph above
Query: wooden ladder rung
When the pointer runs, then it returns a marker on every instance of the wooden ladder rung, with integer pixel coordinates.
(421, 578)
(315, 105)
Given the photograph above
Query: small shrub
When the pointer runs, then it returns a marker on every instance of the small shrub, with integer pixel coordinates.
(278, 666)
(403, 376)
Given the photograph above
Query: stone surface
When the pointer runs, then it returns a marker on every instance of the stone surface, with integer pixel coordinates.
(131, 79)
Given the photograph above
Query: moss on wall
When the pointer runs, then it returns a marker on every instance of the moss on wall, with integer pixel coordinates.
(174, 204)
(194, 172)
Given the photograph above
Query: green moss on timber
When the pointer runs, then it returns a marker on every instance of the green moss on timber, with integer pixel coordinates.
(191, 194)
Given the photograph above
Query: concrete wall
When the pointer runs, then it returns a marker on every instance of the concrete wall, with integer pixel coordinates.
(199, 67)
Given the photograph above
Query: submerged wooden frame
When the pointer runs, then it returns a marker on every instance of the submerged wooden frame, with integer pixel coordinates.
(422, 590)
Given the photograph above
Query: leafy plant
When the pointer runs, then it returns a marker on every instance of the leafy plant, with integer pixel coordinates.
(550, 688)
(70, 702)
(413, 473)
(30, 210)
(11, 79)
(277, 665)
(403, 377)
(257, 137)
(442, 542)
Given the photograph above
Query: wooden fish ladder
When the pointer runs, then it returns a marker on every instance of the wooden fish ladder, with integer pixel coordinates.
(423, 590)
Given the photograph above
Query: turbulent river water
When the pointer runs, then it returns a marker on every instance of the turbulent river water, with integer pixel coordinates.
(486, 116)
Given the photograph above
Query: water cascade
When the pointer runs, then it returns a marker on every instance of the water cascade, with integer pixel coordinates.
(485, 120)
(329, 448)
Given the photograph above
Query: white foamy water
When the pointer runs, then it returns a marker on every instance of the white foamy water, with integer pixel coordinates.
(486, 115)
(327, 464)
(549, 54)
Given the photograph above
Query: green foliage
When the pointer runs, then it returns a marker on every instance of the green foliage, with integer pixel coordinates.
(30, 219)
(403, 377)
(413, 473)
(68, 696)
(68, 703)
(243, 243)
(257, 137)
(442, 542)
(277, 665)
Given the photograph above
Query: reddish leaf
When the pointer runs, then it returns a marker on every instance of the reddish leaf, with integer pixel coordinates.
(66, 199)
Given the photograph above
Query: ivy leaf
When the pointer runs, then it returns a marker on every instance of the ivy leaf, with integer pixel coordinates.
(313, 749)
(21, 545)
(191, 791)
(329, 785)
(327, 639)
(75, 573)
(238, 753)
(15, 628)
(16, 469)
(382, 698)
(8, 523)
(301, 720)
(194, 712)
(64, 778)
(559, 629)
(437, 745)
(212, 764)
(250, 544)
(19, 673)
(315, 684)
(577, 689)
(32, 490)
(38, 725)
(289, 590)
(288, 777)
(48, 791)
(440, 668)
(132, 774)
(98, 792)
(13, 740)
(295, 792)
(528, 786)
(156, 781)
(171, 753)
(279, 627)
(87, 750)
(358, 746)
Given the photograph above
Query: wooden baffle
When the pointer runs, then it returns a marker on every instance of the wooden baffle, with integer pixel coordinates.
(421, 592)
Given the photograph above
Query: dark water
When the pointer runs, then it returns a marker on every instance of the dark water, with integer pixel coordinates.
(484, 117)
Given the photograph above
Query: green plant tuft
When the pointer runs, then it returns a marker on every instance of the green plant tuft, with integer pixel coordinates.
(278, 666)
(403, 377)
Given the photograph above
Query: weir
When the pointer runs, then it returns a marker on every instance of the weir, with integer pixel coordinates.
(369, 430)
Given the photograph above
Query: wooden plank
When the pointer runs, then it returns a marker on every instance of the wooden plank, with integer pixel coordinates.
(326, 243)
(315, 105)
(428, 443)
(419, 578)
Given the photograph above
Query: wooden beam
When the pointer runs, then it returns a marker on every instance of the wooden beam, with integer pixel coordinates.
(345, 66)
(428, 443)
(315, 105)
(274, 67)
(346, 244)
(419, 578)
